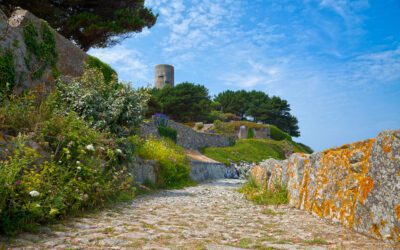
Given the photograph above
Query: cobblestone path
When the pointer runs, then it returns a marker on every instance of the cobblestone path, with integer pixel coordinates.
(208, 216)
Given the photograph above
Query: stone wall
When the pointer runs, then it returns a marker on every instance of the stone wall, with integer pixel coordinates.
(70, 59)
(188, 137)
(357, 185)
(143, 170)
(203, 171)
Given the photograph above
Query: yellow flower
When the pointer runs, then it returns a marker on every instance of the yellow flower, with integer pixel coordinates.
(53, 211)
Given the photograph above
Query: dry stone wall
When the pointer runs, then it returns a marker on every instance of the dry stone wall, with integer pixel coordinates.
(357, 185)
(188, 137)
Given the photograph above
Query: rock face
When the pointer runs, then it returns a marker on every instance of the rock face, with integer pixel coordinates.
(70, 59)
(357, 185)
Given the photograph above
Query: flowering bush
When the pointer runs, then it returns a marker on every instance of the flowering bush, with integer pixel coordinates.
(108, 106)
(61, 166)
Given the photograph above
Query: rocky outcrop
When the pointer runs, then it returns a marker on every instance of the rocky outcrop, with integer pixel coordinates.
(30, 71)
(357, 185)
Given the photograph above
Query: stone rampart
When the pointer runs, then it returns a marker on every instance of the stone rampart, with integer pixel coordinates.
(187, 137)
(357, 185)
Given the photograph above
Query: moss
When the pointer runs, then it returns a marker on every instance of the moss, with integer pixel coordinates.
(108, 72)
(41, 50)
(7, 72)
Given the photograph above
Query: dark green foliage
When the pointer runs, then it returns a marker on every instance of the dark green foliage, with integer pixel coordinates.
(261, 107)
(89, 23)
(7, 73)
(305, 148)
(250, 133)
(108, 72)
(41, 50)
(167, 132)
(185, 102)
(277, 134)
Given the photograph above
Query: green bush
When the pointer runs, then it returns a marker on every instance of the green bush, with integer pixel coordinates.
(71, 168)
(250, 133)
(277, 134)
(173, 171)
(108, 106)
(108, 72)
(168, 132)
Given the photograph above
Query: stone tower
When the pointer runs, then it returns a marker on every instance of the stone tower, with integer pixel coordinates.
(164, 76)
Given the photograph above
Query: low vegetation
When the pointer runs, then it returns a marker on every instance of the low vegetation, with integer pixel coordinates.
(262, 196)
(173, 165)
(64, 152)
(252, 150)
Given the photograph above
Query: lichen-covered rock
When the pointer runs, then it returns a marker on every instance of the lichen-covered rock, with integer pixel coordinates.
(357, 185)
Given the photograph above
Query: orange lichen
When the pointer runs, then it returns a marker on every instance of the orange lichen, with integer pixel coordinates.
(397, 209)
(386, 145)
(375, 230)
(366, 184)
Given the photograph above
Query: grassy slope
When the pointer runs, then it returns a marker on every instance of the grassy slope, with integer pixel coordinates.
(252, 150)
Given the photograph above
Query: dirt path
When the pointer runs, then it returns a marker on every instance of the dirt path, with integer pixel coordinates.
(208, 216)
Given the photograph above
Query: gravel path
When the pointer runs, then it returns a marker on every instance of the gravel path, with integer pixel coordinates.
(208, 216)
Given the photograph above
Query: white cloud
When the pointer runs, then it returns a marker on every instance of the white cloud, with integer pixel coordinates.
(128, 62)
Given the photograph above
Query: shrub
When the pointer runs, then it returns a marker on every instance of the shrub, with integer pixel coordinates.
(277, 134)
(199, 125)
(71, 168)
(108, 106)
(220, 127)
(173, 163)
(21, 114)
(168, 132)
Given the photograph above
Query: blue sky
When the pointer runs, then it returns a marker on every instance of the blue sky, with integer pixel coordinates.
(337, 62)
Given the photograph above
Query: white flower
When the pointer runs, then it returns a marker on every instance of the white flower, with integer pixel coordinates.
(78, 162)
(119, 151)
(90, 147)
(34, 193)
(79, 168)
(37, 205)
(102, 148)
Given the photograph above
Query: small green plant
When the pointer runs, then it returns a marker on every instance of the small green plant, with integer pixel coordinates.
(168, 132)
(250, 133)
(261, 196)
(316, 241)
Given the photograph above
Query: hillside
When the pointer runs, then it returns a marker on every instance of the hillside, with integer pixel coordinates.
(254, 150)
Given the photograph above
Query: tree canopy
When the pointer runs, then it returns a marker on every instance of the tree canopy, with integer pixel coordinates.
(261, 107)
(89, 23)
(184, 102)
